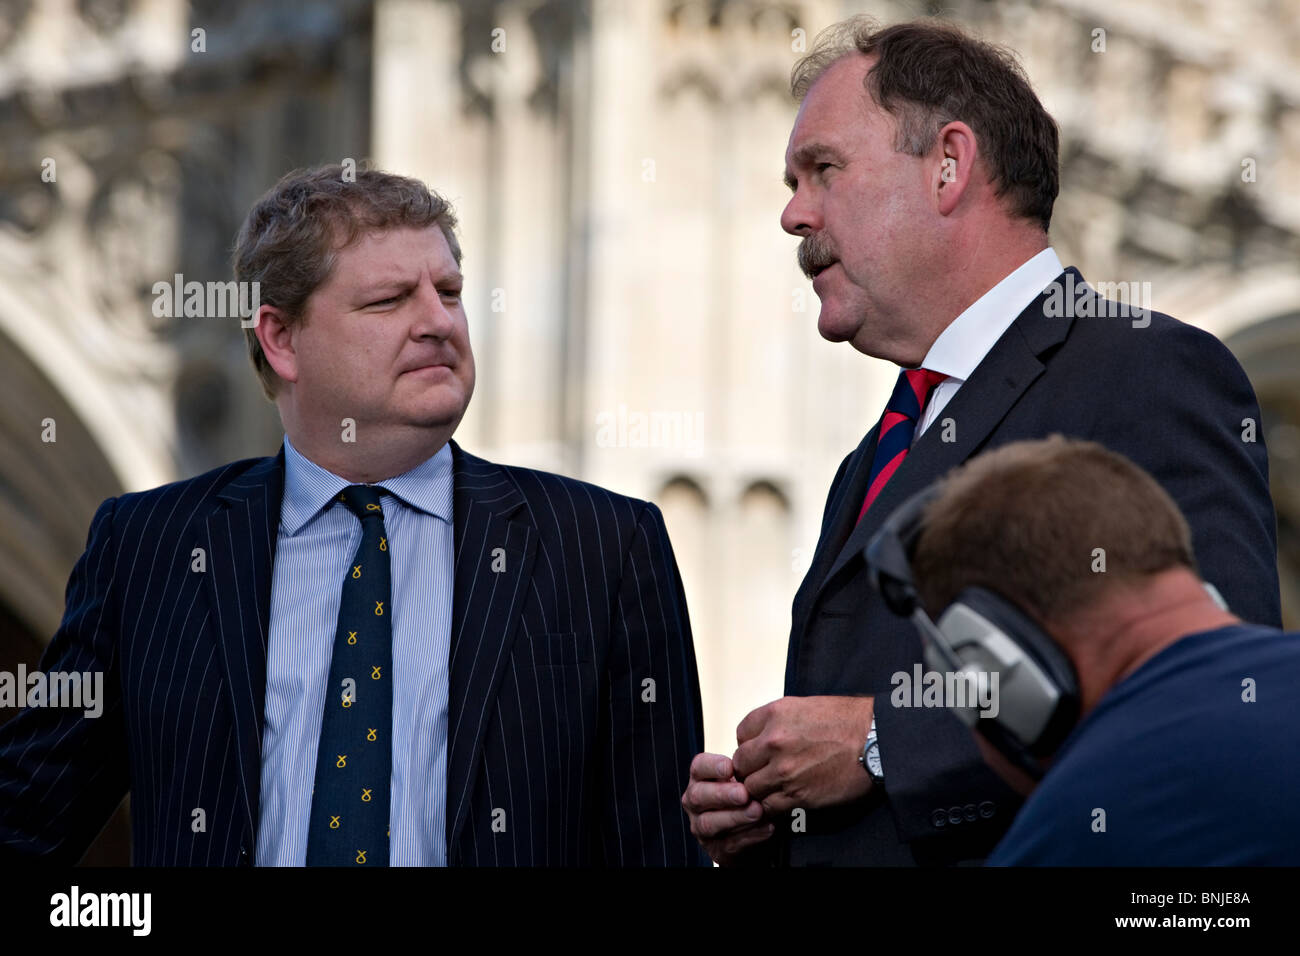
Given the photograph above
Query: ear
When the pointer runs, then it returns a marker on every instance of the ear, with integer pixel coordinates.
(955, 166)
(276, 335)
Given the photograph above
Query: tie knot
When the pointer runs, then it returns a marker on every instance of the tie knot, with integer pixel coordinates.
(923, 380)
(363, 500)
(911, 391)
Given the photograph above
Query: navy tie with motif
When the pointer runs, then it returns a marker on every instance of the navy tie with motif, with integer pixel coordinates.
(354, 763)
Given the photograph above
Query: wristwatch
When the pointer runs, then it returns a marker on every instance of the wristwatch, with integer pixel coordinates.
(870, 756)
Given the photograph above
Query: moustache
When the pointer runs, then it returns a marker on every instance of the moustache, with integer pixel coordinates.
(815, 254)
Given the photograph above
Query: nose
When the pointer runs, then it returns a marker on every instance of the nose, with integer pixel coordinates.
(800, 216)
(433, 317)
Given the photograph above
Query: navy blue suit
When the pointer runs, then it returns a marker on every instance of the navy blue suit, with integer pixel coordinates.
(550, 714)
(1170, 397)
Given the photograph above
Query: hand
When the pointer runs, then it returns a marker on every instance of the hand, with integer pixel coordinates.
(803, 752)
(723, 817)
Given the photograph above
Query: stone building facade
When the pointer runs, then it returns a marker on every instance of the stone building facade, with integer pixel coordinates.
(636, 312)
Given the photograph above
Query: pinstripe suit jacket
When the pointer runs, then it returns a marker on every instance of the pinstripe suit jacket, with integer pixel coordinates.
(567, 604)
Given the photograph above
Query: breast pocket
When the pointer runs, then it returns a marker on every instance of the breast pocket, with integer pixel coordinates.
(558, 681)
(558, 649)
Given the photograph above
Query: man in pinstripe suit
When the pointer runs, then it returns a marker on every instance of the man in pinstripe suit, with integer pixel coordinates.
(544, 699)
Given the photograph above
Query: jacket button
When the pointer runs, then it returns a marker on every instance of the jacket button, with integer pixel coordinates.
(988, 808)
(954, 815)
(938, 817)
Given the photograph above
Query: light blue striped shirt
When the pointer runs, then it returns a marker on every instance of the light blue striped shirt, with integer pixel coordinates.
(317, 537)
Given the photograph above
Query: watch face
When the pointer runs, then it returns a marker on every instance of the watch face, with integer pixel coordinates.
(873, 760)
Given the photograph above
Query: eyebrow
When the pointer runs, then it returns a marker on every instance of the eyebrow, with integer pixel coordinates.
(379, 283)
(808, 154)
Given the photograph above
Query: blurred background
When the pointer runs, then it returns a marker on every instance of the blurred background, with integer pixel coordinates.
(636, 312)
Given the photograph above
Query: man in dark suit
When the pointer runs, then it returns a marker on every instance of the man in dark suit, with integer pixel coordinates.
(372, 648)
(924, 170)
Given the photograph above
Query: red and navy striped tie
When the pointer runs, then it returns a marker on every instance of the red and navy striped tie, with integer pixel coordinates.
(898, 426)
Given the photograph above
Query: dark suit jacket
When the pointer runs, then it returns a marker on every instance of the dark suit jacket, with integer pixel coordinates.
(1170, 397)
(549, 716)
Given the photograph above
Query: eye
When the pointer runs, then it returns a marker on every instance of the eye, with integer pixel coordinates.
(822, 167)
(387, 301)
(453, 294)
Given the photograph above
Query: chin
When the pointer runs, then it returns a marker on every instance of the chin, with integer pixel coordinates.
(431, 405)
(436, 416)
(835, 329)
(438, 411)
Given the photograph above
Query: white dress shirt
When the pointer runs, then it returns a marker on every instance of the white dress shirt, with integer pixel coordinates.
(969, 337)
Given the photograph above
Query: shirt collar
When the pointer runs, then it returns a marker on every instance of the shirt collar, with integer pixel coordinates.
(308, 487)
(969, 337)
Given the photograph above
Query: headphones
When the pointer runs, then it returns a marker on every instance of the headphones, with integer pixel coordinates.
(981, 632)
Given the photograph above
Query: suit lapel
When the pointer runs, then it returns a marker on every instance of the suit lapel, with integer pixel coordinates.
(495, 544)
(981, 403)
(241, 535)
(488, 593)
(850, 487)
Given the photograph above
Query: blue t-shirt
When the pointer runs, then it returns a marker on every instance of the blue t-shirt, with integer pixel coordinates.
(1192, 760)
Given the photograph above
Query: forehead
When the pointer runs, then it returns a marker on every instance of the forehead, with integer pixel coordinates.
(837, 109)
(402, 247)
